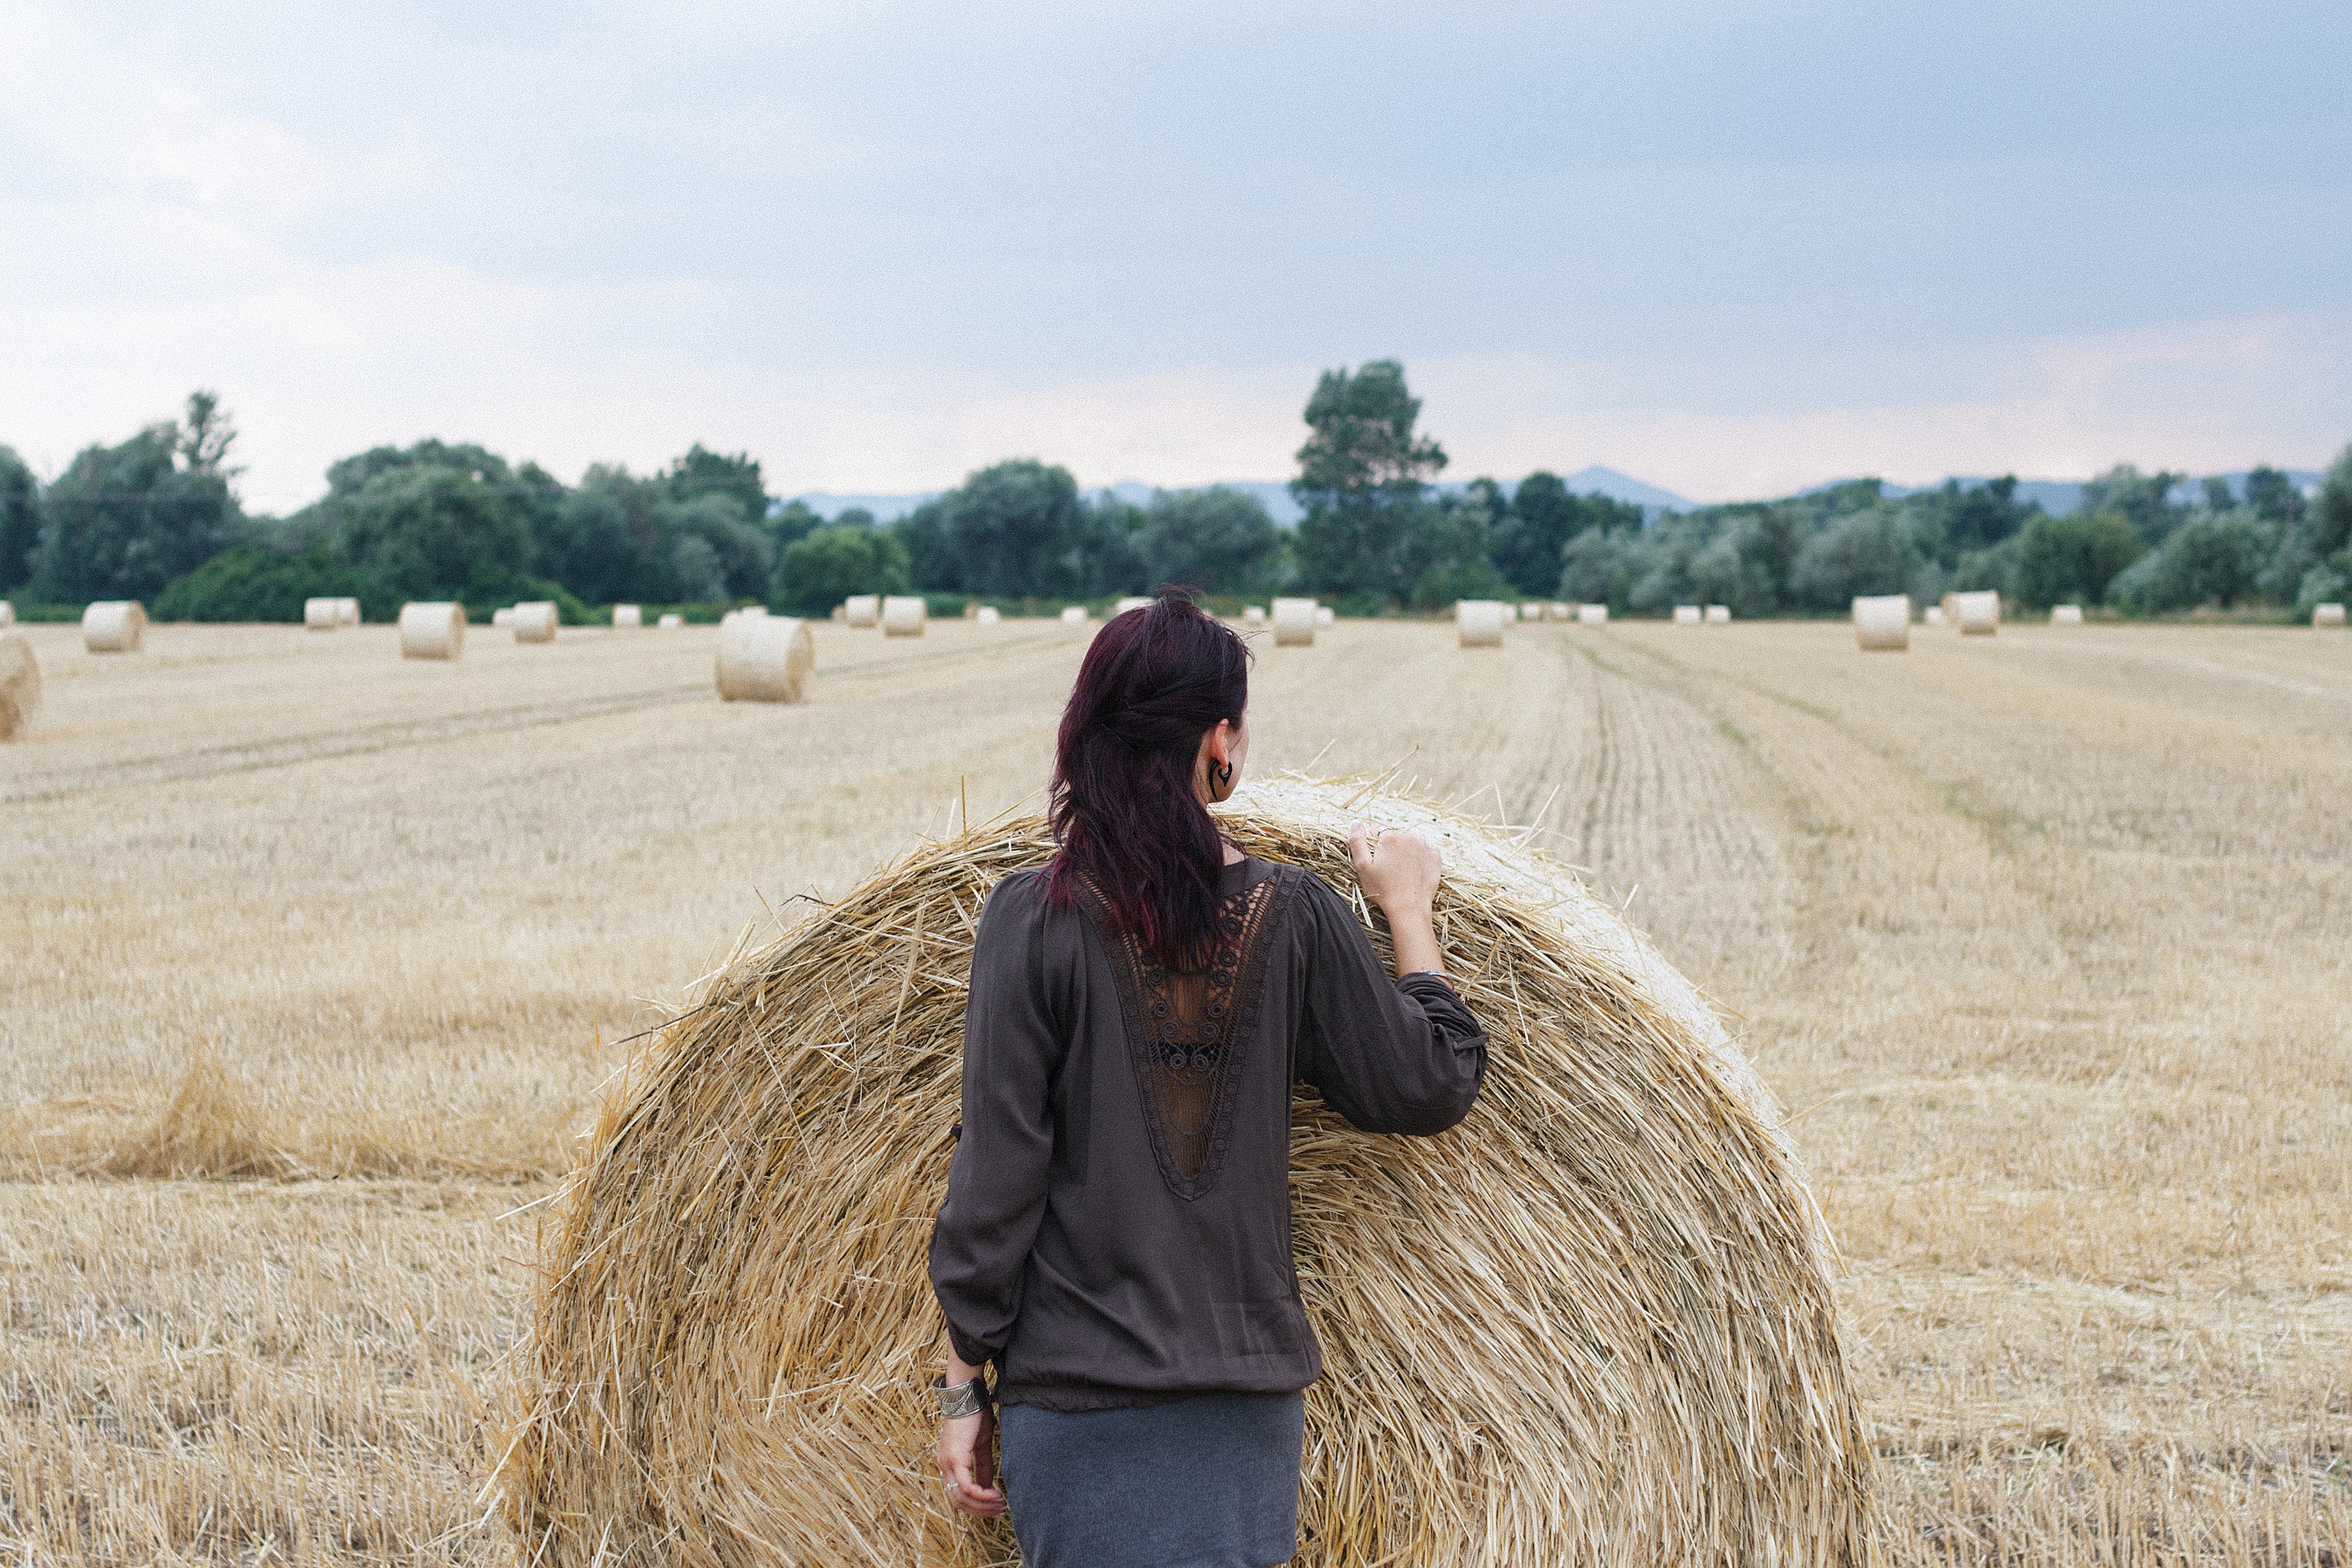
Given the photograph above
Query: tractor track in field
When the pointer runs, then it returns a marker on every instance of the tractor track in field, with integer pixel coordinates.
(260, 756)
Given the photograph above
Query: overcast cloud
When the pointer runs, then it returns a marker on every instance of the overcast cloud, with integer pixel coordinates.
(1730, 249)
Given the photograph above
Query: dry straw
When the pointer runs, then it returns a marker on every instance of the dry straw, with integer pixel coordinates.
(20, 684)
(113, 626)
(1592, 1324)
(1480, 622)
(7, 615)
(628, 617)
(864, 610)
(322, 614)
(535, 622)
(1294, 623)
(2066, 615)
(903, 615)
(2326, 615)
(1979, 613)
(1718, 614)
(1688, 615)
(432, 631)
(764, 658)
(1593, 615)
(1882, 624)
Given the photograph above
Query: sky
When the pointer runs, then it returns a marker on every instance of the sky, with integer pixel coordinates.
(1732, 249)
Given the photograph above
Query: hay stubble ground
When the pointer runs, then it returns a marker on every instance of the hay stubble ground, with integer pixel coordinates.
(2041, 937)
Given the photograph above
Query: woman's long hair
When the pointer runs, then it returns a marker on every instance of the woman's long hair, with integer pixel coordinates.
(1155, 681)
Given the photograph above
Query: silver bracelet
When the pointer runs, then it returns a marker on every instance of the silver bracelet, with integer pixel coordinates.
(963, 1399)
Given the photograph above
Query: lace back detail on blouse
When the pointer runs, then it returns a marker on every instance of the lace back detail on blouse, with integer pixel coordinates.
(1188, 1034)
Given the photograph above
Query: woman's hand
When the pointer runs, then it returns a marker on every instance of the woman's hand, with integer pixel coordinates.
(1399, 870)
(967, 1457)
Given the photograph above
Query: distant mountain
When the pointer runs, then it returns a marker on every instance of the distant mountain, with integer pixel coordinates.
(886, 509)
(2060, 496)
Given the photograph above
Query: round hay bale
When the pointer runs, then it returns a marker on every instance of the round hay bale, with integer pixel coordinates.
(1688, 615)
(1979, 613)
(628, 617)
(502, 618)
(1950, 605)
(432, 631)
(840, 613)
(1593, 615)
(1531, 612)
(1253, 614)
(7, 615)
(1480, 622)
(2326, 615)
(113, 626)
(1592, 1325)
(1294, 623)
(1325, 615)
(1882, 623)
(764, 658)
(2066, 615)
(1133, 601)
(671, 622)
(1074, 615)
(1718, 614)
(1934, 615)
(347, 612)
(988, 616)
(20, 684)
(535, 622)
(863, 610)
(322, 614)
(903, 615)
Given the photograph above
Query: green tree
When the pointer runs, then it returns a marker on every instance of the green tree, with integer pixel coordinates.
(20, 520)
(2070, 560)
(1361, 477)
(433, 532)
(1219, 540)
(734, 476)
(2143, 500)
(1860, 553)
(254, 582)
(2207, 561)
(820, 568)
(1014, 530)
(2274, 496)
(122, 521)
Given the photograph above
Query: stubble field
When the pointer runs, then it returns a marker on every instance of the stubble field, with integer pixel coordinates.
(312, 960)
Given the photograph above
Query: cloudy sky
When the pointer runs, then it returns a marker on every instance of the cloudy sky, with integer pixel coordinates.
(1730, 248)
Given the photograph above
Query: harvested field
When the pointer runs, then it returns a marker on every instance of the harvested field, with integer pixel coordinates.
(2038, 935)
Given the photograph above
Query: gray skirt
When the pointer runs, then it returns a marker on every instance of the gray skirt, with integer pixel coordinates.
(1211, 1482)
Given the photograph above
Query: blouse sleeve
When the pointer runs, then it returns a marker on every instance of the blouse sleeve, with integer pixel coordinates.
(1012, 1048)
(1392, 1056)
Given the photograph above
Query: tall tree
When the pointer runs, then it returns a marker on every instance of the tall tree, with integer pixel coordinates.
(1361, 477)
(735, 476)
(122, 521)
(1532, 531)
(1017, 529)
(20, 520)
(1217, 539)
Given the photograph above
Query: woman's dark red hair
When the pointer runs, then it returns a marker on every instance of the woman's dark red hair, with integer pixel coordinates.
(1156, 680)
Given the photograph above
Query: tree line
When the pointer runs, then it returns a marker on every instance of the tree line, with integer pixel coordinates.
(157, 517)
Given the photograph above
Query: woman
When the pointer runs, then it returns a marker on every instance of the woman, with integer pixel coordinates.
(1116, 1237)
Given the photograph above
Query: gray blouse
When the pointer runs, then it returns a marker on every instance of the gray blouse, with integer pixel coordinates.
(1116, 1228)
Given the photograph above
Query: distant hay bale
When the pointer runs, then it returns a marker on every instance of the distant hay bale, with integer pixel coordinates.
(1882, 623)
(971, 612)
(1979, 613)
(2326, 615)
(1294, 623)
(535, 622)
(322, 614)
(1253, 614)
(764, 658)
(1479, 623)
(903, 615)
(840, 613)
(114, 626)
(2066, 615)
(1935, 615)
(1531, 611)
(671, 622)
(864, 610)
(1718, 614)
(1593, 615)
(988, 616)
(432, 631)
(1688, 615)
(1133, 601)
(1593, 1325)
(7, 615)
(20, 684)
(1325, 615)
(347, 612)
(1556, 613)
(1950, 605)
(1074, 615)
(502, 618)
(628, 617)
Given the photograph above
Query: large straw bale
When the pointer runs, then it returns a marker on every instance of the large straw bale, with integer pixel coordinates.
(1294, 623)
(20, 684)
(535, 621)
(1882, 623)
(1979, 613)
(1592, 1325)
(2326, 615)
(1718, 614)
(2066, 615)
(113, 626)
(989, 616)
(1133, 601)
(1479, 622)
(7, 615)
(1688, 615)
(432, 631)
(1593, 615)
(628, 617)
(764, 658)
(864, 609)
(903, 615)
(321, 614)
